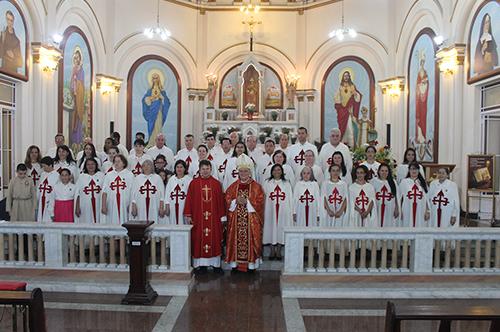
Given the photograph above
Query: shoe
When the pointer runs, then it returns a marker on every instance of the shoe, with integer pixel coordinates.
(279, 258)
(272, 258)
(200, 270)
(218, 270)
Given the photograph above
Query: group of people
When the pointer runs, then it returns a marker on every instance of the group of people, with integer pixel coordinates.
(232, 191)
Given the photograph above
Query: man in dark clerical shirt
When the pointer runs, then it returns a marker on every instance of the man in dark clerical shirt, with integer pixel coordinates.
(10, 46)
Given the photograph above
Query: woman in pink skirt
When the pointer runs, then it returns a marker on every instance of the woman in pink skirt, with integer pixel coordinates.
(64, 195)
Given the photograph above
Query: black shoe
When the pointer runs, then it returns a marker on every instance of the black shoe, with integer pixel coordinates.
(279, 258)
(200, 270)
(272, 258)
(218, 270)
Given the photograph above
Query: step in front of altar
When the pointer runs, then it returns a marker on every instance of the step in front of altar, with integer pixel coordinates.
(390, 287)
(103, 282)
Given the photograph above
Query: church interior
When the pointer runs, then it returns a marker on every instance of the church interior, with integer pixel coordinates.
(250, 165)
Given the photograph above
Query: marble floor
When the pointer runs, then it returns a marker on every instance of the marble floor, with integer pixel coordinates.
(232, 302)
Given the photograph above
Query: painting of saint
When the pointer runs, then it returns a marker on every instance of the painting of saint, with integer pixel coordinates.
(251, 88)
(13, 41)
(483, 47)
(348, 87)
(423, 91)
(75, 88)
(153, 101)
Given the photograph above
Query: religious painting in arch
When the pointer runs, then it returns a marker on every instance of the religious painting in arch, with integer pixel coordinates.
(75, 88)
(272, 88)
(423, 98)
(348, 101)
(14, 41)
(153, 101)
(484, 42)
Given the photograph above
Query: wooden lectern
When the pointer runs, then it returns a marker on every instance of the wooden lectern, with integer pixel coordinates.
(139, 291)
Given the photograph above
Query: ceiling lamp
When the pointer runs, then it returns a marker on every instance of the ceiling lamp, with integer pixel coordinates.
(341, 33)
(161, 32)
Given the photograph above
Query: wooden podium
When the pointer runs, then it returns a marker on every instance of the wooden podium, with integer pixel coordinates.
(139, 291)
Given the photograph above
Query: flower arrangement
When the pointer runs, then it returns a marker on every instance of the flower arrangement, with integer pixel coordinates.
(383, 155)
(213, 130)
(250, 108)
(267, 130)
(262, 137)
(274, 115)
(225, 116)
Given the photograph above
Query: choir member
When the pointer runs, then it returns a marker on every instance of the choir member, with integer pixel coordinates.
(32, 162)
(88, 193)
(21, 196)
(59, 140)
(164, 175)
(205, 210)
(402, 169)
(161, 149)
(213, 148)
(116, 192)
(306, 199)
(371, 164)
(278, 210)
(284, 140)
(334, 145)
(138, 135)
(107, 166)
(202, 155)
(64, 159)
(363, 212)
(279, 157)
(64, 198)
(245, 214)
(234, 137)
(148, 195)
(88, 152)
(231, 173)
(189, 153)
(297, 151)
(102, 156)
(386, 197)
(413, 193)
(338, 159)
(108, 143)
(48, 180)
(254, 151)
(160, 163)
(444, 201)
(335, 196)
(116, 139)
(311, 162)
(222, 158)
(175, 193)
(265, 160)
(135, 161)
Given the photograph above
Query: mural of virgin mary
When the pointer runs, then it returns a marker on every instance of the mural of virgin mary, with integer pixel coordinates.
(486, 56)
(155, 106)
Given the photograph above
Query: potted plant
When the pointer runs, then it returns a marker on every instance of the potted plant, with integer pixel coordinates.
(262, 137)
(274, 115)
(225, 116)
(250, 110)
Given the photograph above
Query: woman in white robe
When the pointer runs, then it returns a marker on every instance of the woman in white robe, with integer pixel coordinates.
(117, 193)
(88, 152)
(107, 166)
(386, 197)
(231, 173)
(32, 162)
(371, 164)
(175, 193)
(202, 155)
(148, 194)
(335, 197)
(413, 196)
(278, 210)
(279, 157)
(363, 210)
(306, 200)
(402, 169)
(64, 159)
(338, 159)
(444, 201)
(88, 194)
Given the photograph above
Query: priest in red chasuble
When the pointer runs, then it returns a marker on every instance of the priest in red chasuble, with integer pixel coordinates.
(205, 210)
(245, 201)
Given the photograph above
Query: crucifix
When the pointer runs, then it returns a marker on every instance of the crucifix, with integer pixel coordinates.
(249, 11)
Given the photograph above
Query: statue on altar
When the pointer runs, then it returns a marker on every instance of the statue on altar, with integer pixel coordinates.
(211, 90)
(251, 88)
(291, 91)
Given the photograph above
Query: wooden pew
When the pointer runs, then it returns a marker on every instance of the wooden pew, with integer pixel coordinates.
(445, 314)
(34, 301)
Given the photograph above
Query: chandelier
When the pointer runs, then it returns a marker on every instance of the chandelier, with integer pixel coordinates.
(341, 33)
(159, 31)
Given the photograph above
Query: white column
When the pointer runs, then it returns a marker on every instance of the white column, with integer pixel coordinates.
(294, 253)
(180, 250)
(422, 254)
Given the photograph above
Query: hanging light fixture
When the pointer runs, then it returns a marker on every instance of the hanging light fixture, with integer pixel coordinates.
(341, 33)
(161, 32)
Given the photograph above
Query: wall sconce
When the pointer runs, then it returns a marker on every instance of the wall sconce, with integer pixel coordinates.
(449, 58)
(293, 79)
(392, 86)
(211, 77)
(108, 84)
(47, 56)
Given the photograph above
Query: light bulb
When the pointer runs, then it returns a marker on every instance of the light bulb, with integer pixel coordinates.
(57, 38)
(438, 40)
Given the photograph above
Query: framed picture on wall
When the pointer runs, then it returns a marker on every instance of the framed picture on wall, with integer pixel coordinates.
(154, 101)
(484, 42)
(76, 74)
(423, 98)
(481, 173)
(14, 41)
(348, 101)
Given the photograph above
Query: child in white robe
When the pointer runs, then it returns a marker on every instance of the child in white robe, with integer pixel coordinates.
(413, 196)
(48, 180)
(306, 200)
(386, 197)
(335, 196)
(363, 211)
(371, 164)
(88, 193)
(64, 198)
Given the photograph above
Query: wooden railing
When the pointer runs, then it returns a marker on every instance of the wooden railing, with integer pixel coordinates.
(391, 250)
(89, 246)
